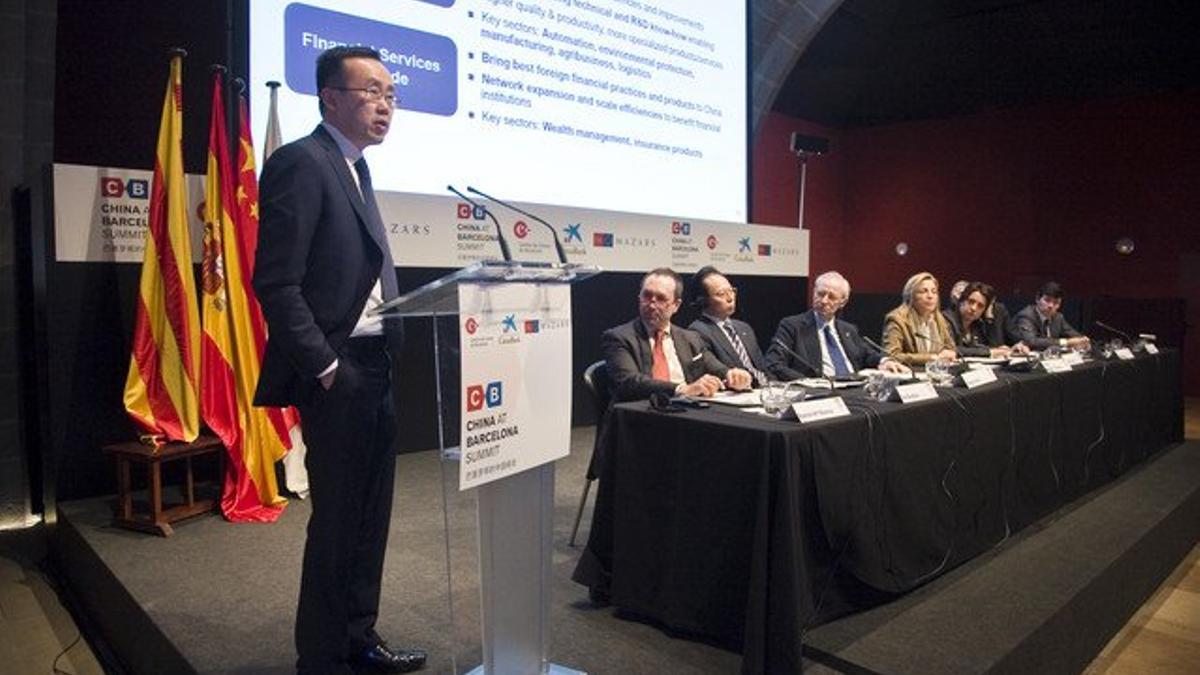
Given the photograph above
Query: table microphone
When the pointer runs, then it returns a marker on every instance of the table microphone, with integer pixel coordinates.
(558, 247)
(874, 345)
(940, 344)
(1121, 333)
(804, 362)
(499, 231)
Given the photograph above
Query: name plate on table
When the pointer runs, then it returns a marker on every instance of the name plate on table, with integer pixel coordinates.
(1055, 366)
(978, 377)
(1072, 358)
(918, 391)
(1124, 354)
(1151, 348)
(820, 409)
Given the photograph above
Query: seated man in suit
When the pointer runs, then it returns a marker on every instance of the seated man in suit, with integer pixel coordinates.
(730, 340)
(1041, 325)
(817, 338)
(650, 354)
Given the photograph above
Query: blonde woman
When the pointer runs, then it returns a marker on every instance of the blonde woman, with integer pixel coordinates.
(916, 333)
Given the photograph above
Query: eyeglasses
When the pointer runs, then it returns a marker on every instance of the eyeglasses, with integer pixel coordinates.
(374, 93)
(655, 299)
(730, 292)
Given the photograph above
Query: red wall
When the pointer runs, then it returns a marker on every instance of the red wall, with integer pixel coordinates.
(1012, 197)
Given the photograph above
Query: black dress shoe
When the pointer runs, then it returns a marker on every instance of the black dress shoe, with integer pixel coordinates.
(383, 659)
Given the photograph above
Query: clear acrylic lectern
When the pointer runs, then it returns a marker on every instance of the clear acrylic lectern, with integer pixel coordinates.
(514, 514)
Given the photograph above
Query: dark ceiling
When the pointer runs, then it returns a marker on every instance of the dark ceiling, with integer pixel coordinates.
(885, 61)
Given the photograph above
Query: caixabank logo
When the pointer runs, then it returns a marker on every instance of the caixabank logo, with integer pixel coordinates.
(490, 395)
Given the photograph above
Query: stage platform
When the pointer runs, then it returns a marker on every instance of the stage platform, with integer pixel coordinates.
(220, 598)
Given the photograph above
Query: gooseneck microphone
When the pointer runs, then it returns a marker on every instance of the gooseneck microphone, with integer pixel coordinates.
(1121, 333)
(874, 345)
(820, 372)
(558, 247)
(499, 230)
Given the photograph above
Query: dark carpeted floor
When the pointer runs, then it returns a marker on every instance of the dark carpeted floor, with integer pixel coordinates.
(225, 593)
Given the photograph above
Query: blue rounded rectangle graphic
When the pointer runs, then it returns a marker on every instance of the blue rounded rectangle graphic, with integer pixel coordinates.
(424, 66)
(439, 3)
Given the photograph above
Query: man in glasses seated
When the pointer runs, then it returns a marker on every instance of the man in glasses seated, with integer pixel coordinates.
(730, 340)
(647, 357)
(651, 355)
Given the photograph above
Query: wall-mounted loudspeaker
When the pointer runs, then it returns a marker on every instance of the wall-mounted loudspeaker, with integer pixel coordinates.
(809, 145)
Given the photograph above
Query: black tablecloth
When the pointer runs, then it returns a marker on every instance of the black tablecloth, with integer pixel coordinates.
(748, 530)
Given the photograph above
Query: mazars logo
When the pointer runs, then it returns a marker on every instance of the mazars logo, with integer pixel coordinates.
(479, 395)
(471, 325)
(764, 249)
(602, 239)
(680, 227)
(520, 229)
(134, 188)
(467, 212)
(532, 326)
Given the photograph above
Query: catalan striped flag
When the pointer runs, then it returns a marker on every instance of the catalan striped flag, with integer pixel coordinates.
(162, 389)
(232, 344)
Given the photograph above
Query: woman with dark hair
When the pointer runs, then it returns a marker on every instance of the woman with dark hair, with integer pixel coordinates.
(973, 336)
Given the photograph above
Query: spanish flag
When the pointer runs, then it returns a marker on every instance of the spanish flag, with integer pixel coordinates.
(162, 389)
(232, 344)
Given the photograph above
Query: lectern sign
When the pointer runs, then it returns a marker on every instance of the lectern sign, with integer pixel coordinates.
(515, 340)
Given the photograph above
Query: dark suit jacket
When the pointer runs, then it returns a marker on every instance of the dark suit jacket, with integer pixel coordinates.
(978, 341)
(627, 350)
(800, 333)
(316, 263)
(718, 342)
(1000, 327)
(1028, 325)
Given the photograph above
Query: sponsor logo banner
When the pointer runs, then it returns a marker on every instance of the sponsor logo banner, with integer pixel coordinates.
(100, 217)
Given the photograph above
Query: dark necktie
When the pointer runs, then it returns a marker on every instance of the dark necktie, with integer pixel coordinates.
(743, 355)
(840, 367)
(387, 272)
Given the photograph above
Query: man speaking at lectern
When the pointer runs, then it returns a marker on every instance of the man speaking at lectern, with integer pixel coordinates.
(323, 262)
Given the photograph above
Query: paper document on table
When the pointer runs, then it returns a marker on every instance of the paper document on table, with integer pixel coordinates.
(991, 361)
(738, 399)
(821, 383)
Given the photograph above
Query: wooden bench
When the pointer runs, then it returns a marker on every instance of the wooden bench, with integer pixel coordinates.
(158, 520)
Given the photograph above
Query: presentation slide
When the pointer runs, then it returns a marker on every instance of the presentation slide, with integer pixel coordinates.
(624, 105)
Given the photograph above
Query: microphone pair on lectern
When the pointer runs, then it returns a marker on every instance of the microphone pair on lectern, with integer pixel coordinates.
(558, 247)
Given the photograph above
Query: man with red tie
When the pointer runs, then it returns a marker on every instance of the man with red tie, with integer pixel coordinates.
(650, 354)
(646, 356)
